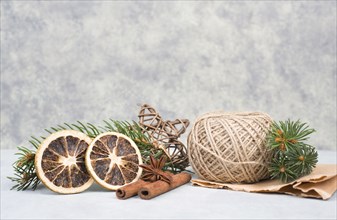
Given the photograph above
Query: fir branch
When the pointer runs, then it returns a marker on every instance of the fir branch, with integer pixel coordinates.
(24, 170)
(292, 157)
(303, 159)
(286, 135)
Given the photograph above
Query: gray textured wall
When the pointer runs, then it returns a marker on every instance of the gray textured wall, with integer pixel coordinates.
(66, 61)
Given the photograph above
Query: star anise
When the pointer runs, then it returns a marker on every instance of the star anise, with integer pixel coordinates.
(153, 171)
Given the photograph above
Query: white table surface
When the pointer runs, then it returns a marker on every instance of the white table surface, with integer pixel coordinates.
(186, 202)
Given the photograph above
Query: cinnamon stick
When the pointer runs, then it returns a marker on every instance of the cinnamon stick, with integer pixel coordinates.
(131, 189)
(159, 187)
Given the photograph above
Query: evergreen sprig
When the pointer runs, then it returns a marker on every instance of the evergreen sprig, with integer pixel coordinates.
(293, 158)
(24, 169)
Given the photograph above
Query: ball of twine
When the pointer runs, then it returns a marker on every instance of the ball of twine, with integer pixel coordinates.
(230, 147)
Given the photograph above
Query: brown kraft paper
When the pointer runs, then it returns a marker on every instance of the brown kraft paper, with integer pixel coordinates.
(320, 184)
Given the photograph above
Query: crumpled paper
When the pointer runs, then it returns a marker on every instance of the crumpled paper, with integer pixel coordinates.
(320, 184)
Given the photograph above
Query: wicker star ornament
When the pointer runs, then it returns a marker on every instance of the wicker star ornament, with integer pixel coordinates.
(166, 133)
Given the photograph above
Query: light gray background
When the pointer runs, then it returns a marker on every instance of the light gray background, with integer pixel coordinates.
(66, 61)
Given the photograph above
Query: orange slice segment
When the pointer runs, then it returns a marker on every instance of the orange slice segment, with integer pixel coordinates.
(60, 164)
(113, 160)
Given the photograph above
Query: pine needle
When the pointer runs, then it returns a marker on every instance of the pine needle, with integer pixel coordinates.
(24, 169)
(292, 157)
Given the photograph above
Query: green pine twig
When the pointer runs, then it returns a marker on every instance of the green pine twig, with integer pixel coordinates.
(24, 169)
(293, 158)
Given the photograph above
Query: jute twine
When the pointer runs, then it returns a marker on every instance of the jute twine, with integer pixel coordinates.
(230, 147)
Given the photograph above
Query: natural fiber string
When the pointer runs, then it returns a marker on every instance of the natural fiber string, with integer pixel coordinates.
(230, 147)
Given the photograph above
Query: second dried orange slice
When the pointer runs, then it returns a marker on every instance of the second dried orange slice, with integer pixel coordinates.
(113, 160)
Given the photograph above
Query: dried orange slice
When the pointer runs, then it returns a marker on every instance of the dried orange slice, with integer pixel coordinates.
(113, 160)
(59, 162)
